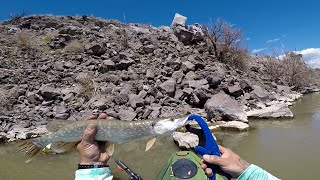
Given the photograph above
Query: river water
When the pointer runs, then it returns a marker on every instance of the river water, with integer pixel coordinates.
(286, 148)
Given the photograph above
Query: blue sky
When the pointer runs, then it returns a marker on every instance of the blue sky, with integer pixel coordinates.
(267, 25)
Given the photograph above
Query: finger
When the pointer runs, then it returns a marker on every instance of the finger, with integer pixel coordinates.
(109, 118)
(214, 159)
(222, 149)
(208, 172)
(91, 117)
(89, 133)
(102, 116)
(203, 166)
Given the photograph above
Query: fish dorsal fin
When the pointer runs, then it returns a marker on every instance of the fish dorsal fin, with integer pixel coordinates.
(61, 147)
(110, 148)
(150, 143)
(55, 125)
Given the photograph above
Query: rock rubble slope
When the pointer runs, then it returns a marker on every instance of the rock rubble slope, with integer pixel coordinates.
(68, 67)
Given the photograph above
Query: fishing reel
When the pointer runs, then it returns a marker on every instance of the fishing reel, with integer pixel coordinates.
(123, 167)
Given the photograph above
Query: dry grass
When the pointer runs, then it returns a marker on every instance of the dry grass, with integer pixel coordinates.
(25, 40)
(74, 46)
(87, 86)
(3, 97)
(125, 39)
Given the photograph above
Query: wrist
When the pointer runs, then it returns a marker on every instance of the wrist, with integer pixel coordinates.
(91, 166)
(91, 163)
(243, 166)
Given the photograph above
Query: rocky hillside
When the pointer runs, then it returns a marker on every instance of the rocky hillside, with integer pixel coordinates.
(62, 67)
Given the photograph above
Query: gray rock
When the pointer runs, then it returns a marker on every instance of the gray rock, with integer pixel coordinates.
(96, 49)
(149, 48)
(142, 94)
(245, 85)
(122, 98)
(273, 110)
(106, 65)
(191, 76)
(139, 30)
(58, 65)
(146, 113)
(61, 112)
(187, 66)
(188, 91)
(234, 125)
(48, 92)
(124, 64)
(156, 110)
(71, 30)
(127, 115)
(177, 76)
(135, 101)
(214, 81)
(259, 93)
(178, 94)
(168, 87)
(150, 74)
(34, 98)
(22, 133)
(194, 100)
(203, 83)
(95, 28)
(235, 91)
(222, 107)
(186, 140)
(102, 103)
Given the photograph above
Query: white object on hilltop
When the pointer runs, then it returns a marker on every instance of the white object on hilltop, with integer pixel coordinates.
(179, 20)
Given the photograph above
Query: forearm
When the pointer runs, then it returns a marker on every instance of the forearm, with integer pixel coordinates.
(254, 172)
(94, 174)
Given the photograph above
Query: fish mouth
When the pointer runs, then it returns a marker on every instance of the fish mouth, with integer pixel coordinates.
(181, 122)
(168, 126)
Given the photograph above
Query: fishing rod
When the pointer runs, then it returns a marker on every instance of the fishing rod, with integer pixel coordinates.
(123, 167)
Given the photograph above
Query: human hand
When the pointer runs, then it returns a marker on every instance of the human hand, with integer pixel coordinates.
(91, 151)
(229, 162)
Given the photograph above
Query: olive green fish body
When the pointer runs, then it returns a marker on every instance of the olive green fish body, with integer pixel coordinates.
(64, 135)
(112, 131)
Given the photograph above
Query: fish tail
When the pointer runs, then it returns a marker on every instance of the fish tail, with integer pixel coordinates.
(28, 147)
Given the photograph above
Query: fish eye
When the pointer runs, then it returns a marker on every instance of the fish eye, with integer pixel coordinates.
(153, 124)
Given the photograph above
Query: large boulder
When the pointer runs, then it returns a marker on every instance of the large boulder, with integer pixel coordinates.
(259, 93)
(275, 109)
(184, 34)
(222, 107)
(179, 20)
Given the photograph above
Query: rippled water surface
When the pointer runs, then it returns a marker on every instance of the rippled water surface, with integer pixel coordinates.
(288, 149)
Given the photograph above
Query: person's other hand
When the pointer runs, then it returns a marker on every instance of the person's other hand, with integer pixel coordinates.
(91, 151)
(229, 162)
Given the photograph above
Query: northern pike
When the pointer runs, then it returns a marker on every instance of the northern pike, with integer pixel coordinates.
(65, 134)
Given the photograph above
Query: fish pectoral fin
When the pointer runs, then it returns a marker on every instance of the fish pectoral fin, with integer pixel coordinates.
(55, 125)
(150, 143)
(27, 147)
(61, 147)
(110, 148)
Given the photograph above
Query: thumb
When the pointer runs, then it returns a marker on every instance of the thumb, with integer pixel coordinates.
(214, 160)
(89, 133)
